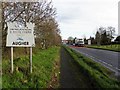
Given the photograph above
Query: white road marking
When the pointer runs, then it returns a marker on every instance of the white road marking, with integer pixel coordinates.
(110, 65)
(100, 61)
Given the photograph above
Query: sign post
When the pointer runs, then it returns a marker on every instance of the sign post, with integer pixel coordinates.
(30, 59)
(11, 59)
(20, 36)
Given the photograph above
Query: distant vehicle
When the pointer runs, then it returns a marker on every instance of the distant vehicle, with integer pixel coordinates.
(79, 42)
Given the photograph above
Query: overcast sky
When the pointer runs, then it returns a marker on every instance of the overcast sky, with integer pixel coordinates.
(79, 18)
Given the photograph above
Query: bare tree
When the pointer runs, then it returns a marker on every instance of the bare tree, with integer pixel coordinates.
(41, 13)
(111, 32)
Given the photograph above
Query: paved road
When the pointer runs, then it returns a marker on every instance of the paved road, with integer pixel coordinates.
(107, 58)
(70, 76)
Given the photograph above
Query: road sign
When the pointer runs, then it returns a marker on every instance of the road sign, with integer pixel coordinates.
(89, 42)
(19, 35)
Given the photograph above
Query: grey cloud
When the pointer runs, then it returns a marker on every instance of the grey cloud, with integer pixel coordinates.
(85, 15)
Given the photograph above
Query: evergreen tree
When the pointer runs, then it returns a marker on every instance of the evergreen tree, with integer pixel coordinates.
(104, 39)
(97, 38)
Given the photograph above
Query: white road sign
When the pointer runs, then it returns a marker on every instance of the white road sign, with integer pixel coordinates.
(89, 42)
(20, 36)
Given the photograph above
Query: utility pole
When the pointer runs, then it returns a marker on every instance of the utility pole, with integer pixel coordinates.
(0, 24)
(0, 44)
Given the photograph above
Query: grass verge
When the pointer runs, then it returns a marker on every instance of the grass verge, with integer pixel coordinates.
(115, 47)
(43, 65)
(98, 75)
(54, 82)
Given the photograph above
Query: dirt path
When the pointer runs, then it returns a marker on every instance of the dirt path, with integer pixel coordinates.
(70, 76)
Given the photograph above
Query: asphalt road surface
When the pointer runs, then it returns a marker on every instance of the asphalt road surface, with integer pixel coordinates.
(109, 59)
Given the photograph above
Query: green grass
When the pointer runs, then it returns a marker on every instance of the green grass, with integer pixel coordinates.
(43, 63)
(98, 76)
(115, 47)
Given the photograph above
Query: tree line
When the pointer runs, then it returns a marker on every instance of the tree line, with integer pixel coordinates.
(103, 36)
(42, 13)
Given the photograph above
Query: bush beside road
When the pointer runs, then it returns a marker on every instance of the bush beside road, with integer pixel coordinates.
(99, 76)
